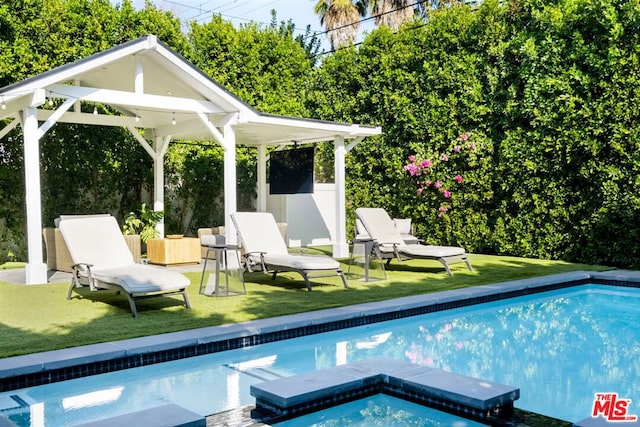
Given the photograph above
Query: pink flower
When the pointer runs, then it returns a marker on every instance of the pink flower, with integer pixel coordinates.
(447, 327)
(446, 194)
(458, 178)
(413, 169)
(444, 158)
(427, 183)
(437, 184)
(440, 215)
(419, 190)
(457, 148)
(426, 163)
(472, 146)
(465, 136)
(443, 208)
(412, 158)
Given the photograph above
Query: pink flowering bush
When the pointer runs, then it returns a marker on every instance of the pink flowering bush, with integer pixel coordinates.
(438, 176)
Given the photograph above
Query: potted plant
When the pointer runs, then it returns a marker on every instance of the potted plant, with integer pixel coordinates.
(141, 225)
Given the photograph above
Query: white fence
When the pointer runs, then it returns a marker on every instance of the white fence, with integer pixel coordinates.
(310, 218)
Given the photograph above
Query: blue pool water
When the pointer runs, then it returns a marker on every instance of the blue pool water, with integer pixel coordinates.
(378, 410)
(559, 347)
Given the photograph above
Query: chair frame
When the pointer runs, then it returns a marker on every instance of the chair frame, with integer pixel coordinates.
(396, 254)
(82, 276)
(274, 269)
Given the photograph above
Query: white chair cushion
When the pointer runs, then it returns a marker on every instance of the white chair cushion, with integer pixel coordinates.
(429, 251)
(96, 240)
(302, 262)
(259, 232)
(139, 278)
(403, 225)
(379, 225)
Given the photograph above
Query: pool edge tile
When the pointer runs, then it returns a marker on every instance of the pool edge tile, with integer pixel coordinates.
(156, 343)
(20, 365)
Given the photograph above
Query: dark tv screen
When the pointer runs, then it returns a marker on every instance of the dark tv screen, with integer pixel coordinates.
(291, 171)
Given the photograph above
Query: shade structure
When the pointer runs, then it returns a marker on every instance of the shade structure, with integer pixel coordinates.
(160, 97)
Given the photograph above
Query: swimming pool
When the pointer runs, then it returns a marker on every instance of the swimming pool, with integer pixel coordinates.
(493, 343)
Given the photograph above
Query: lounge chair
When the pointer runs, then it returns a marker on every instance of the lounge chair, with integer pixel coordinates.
(264, 247)
(102, 260)
(390, 243)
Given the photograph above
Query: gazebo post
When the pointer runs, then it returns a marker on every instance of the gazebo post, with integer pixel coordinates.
(161, 146)
(36, 269)
(230, 182)
(262, 179)
(340, 247)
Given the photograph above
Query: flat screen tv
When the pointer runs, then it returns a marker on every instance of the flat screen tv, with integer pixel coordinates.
(291, 171)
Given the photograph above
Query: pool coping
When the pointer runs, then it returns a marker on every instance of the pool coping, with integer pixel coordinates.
(59, 365)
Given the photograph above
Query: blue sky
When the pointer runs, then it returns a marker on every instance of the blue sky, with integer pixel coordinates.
(241, 11)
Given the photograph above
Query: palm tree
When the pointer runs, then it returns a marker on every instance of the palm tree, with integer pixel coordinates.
(341, 19)
(392, 13)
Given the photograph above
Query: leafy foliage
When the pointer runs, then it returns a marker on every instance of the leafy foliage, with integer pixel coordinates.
(265, 67)
(549, 87)
(142, 222)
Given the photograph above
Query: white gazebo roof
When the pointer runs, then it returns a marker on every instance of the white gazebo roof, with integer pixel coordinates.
(157, 90)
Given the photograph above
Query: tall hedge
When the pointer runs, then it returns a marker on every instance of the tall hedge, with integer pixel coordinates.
(548, 91)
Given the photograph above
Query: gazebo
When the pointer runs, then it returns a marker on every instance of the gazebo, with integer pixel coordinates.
(156, 89)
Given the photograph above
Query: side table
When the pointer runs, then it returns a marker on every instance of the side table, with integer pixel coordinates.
(183, 250)
(363, 263)
(227, 265)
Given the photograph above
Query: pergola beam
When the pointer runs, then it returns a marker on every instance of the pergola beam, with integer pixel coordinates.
(134, 100)
(94, 119)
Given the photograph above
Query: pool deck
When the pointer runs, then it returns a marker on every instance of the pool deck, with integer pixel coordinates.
(18, 372)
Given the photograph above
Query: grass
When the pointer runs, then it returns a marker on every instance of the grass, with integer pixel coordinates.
(38, 318)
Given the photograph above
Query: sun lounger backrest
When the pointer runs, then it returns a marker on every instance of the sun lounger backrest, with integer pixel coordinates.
(259, 232)
(96, 240)
(379, 225)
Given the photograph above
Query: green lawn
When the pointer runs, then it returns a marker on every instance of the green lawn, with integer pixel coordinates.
(38, 317)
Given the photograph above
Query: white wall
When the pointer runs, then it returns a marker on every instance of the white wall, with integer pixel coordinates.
(310, 218)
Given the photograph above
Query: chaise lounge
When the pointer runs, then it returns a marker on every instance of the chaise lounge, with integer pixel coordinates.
(264, 247)
(102, 260)
(390, 243)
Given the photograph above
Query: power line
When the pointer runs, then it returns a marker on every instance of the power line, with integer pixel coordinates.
(202, 14)
(316, 33)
